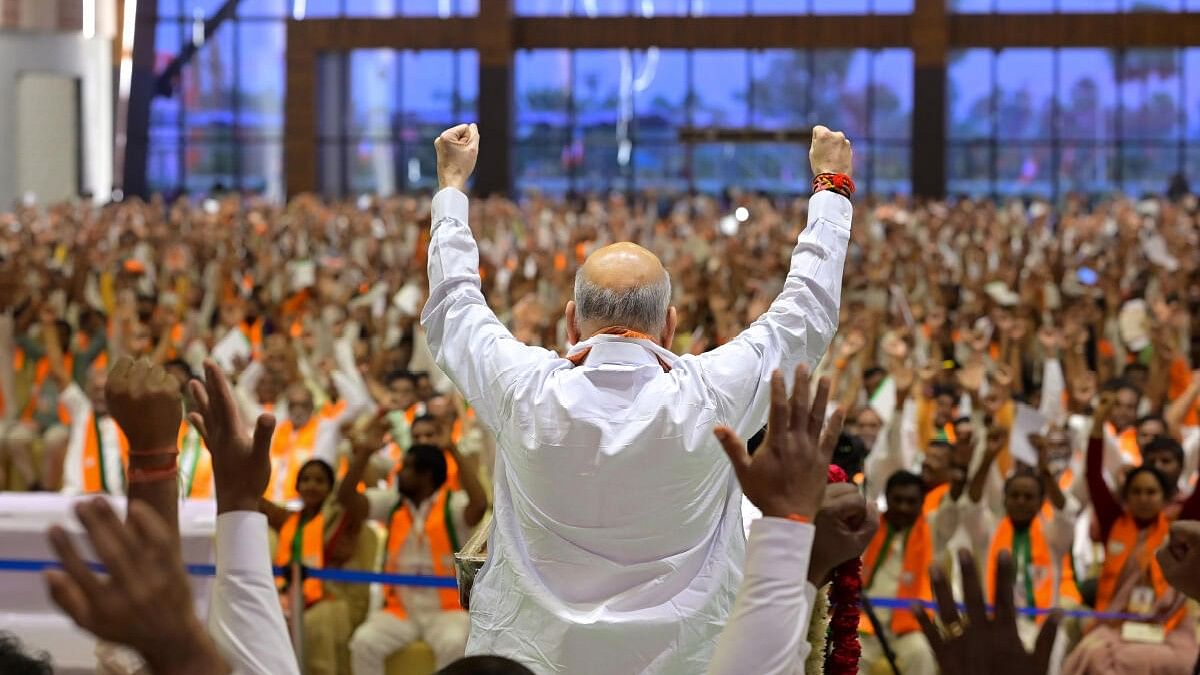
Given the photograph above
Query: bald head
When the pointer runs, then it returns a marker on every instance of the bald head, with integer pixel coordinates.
(623, 266)
(622, 285)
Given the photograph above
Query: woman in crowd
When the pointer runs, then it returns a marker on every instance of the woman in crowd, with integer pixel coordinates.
(324, 533)
(1132, 530)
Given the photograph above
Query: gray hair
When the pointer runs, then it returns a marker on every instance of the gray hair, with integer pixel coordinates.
(641, 308)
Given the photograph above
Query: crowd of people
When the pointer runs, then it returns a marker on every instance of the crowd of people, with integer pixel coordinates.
(1016, 381)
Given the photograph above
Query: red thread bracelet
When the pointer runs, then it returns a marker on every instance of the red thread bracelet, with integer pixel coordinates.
(137, 475)
(840, 183)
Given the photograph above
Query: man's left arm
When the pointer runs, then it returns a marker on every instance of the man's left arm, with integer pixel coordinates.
(468, 342)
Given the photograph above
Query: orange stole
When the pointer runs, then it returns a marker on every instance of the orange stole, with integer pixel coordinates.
(199, 478)
(1041, 565)
(1121, 542)
(94, 478)
(41, 373)
(1127, 442)
(438, 530)
(914, 575)
(290, 449)
(312, 552)
(933, 499)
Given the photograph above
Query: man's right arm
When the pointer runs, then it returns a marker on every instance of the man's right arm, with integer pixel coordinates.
(468, 342)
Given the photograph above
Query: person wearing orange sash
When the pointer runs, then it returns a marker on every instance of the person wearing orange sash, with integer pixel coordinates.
(1037, 530)
(896, 564)
(1166, 455)
(1121, 430)
(97, 451)
(426, 523)
(1131, 580)
(322, 534)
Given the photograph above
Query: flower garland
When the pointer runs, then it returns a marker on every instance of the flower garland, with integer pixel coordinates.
(843, 648)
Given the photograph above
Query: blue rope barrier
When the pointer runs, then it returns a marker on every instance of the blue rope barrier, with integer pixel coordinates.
(423, 581)
(347, 576)
(907, 603)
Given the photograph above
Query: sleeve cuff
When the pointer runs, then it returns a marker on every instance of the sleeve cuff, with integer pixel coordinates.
(830, 205)
(449, 203)
(779, 548)
(242, 541)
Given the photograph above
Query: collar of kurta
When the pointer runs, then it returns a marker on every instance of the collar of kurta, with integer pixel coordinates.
(627, 349)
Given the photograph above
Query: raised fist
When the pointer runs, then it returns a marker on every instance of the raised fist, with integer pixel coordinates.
(457, 150)
(830, 152)
(145, 401)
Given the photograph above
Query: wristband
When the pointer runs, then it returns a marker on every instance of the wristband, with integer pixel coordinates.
(155, 453)
(137, 475)
(797, 518)
(834, 182)
(839, 364)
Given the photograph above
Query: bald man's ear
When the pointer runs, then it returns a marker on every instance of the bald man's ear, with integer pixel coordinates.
(573, 332)
(668, 336)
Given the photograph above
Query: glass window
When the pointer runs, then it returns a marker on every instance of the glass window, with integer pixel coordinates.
(841, 7)
(839, 90)
(208, 85)
(660, 93)
(1025, 93)
(1191, 107)
(1087, 94)
(271, 9)
(779, 7)
(373, 8)
(891, 94)
(1024, 170)
(1152, 5)
(1086, 168)
(781, 88)
(893, 6)
(1089, 6)
(969, 169)
(542, 7)
(969, 93)
(261, 166)
(720, 101)
(372, 104)
(316, 9)
(1150, 83)
(1147, 168)
(719, 7)
(1025, 6)
(891, 169)
(260, 76)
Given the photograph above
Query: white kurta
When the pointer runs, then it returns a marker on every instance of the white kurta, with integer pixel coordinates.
(618, 543)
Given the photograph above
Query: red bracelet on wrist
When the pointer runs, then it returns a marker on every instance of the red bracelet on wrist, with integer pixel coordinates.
(840, 183)
(137, 475)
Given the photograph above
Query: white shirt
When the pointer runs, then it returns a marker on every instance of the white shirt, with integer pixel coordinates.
(767, 633)
(416, 556)
(618, 537)
(244, 617)
(79, 410)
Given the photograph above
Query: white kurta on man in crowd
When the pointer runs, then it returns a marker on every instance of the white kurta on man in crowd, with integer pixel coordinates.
(618, 542)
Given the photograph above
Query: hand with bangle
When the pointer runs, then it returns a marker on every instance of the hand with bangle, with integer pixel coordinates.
(832, 161)
(146, 402)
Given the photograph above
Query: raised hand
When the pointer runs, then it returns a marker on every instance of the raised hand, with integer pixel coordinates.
(851, 345)
(978, 644)
(845, 525)
(145, 401)
(787, 476)
(830, 152)
(1180, 558)
(457, 151)
(145, 602)
(241, 462)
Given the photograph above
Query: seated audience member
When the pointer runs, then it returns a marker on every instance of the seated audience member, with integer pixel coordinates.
(426, 524)
(1131, 580)
(322, 534)
(1036, 532)
(895, 565)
